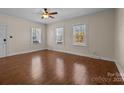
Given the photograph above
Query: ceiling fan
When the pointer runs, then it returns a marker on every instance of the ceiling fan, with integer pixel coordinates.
(47, 14)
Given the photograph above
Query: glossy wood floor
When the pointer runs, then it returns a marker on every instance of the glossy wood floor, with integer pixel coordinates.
(50, 67)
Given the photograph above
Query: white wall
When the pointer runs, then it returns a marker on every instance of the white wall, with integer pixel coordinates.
(20, 29)
(119, 40)
(100, 27)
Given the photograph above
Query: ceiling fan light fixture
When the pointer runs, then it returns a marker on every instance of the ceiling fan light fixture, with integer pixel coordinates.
(45, 16)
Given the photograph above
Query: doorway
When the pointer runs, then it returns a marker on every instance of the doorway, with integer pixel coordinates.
(3, 40)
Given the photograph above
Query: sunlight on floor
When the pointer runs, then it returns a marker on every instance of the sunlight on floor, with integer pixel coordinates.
(80, 76)
(36, 67)
(60, 68)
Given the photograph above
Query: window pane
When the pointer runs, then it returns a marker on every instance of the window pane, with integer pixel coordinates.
(36, 35)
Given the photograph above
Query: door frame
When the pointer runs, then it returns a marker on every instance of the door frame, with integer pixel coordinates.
(6, 44)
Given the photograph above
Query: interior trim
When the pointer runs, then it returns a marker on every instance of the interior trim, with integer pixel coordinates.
(18, 53)
(96, 57)
(120, 68)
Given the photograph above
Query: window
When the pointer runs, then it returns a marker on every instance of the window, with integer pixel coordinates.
(59, 35)
(36, 35)
(79, 35)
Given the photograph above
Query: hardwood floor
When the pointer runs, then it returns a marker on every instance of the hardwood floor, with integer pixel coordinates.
(50, 67)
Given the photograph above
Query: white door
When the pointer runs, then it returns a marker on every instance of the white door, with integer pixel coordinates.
(3, 41)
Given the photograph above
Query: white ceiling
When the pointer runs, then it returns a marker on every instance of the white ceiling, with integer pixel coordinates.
(63, 13)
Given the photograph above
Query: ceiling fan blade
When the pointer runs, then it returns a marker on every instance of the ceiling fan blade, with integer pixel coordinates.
(51, 16)
(53, 13)
(45, 9)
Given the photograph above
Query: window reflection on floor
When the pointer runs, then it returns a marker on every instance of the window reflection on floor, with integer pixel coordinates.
(36, 67)
(60, 68)
(79, 74)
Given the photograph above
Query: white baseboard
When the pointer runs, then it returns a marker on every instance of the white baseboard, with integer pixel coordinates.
(107, 58)
(17, 53)
(121, 70)
(80, 54)
(70, 52)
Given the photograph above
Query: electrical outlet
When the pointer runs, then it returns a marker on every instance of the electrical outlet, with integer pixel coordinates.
(94, 53)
